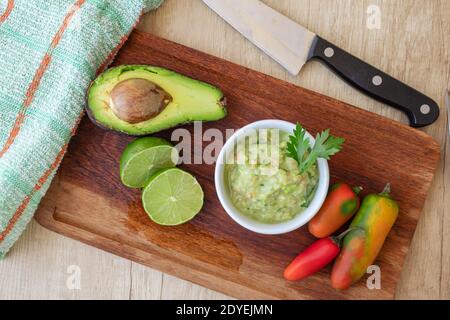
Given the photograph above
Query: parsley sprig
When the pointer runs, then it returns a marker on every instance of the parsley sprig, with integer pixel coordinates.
(299, 147)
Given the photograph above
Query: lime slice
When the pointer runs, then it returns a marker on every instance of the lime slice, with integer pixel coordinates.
(143, 157)
(172, 197)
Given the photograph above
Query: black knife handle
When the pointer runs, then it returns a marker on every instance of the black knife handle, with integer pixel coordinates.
(420, 109)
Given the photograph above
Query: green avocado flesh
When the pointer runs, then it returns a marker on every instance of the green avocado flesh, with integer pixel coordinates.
(192, 100)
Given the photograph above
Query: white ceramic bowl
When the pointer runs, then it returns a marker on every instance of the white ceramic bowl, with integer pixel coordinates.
(253, 225)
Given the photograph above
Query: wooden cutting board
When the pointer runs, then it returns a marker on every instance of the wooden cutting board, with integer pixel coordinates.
(87, 201)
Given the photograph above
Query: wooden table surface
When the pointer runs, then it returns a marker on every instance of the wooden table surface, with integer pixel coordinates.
(412, 44)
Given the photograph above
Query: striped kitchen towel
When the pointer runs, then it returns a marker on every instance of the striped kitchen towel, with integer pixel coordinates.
(49, 52)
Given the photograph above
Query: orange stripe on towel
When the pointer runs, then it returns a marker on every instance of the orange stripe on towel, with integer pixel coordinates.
(34, 85)
(42, 180)
(20, 210)
(9, 8)
(111, 55)
(72, 10)
(116, 49)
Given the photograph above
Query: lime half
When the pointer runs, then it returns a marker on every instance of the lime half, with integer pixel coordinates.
(172, 197)
(143, 157)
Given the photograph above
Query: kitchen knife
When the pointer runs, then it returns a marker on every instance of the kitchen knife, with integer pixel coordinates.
(292, 45)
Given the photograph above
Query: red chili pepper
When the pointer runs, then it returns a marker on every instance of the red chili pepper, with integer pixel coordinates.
(341, 204)
(315, 257)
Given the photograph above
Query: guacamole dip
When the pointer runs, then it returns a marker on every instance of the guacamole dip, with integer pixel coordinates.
(270, 189)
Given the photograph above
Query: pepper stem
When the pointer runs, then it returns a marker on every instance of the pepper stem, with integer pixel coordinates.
(338, 239)
(386, 191)
(357, 190)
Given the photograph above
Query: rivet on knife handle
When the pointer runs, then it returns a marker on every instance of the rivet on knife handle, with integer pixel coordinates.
(420, 109)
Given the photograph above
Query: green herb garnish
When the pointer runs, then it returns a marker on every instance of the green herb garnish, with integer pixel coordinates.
(299, 147)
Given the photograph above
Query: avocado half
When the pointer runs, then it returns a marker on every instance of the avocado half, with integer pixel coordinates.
(186, 100)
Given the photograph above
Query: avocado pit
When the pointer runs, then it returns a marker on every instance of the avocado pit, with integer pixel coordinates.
(136, 100)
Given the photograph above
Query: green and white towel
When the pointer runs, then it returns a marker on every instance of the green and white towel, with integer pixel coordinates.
(49, 52)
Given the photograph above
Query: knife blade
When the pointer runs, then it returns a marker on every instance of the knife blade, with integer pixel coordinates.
(292, 45)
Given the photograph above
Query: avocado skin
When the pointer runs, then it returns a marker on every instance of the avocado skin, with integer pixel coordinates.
(193, 100)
